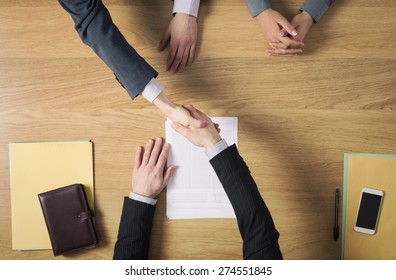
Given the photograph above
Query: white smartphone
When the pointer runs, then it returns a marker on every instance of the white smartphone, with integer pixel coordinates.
(369, 210)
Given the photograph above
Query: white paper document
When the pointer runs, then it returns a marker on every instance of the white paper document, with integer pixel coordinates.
(194, 191)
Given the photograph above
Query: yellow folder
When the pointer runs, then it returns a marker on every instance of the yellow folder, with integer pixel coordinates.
(40, 167)
(377, 172)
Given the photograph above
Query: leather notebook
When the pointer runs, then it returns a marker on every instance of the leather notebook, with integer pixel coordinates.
(68, 219)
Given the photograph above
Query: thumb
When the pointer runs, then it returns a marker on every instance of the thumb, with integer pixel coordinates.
(287, 26)
(164, 40)
(284, 32)
(197, 123)
(168, 173)
(193, 112)
(197, 119)
(179, 128)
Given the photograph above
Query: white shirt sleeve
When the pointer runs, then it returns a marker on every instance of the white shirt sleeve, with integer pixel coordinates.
(142, 198)
(216, 149)
(152, 90)
(189, 7)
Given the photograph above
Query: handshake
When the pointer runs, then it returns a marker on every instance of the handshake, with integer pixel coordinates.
(200, 136)
(149, 177)
(189, 122)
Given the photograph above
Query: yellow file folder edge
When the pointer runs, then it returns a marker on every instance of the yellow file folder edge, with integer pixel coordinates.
(88, 184)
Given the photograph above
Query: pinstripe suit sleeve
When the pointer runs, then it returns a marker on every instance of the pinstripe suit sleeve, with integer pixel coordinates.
(134, 231)
(96, 29)
(260, 237)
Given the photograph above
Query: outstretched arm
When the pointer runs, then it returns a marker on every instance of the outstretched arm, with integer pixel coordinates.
(96, 29)
(260, 237)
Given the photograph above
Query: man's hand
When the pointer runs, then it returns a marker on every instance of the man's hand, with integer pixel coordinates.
(272, 23)
(149, 174)
(178, 113)
(202, 137)
(182, 33)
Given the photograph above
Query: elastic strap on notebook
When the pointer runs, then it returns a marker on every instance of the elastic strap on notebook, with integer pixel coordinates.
(85, 215)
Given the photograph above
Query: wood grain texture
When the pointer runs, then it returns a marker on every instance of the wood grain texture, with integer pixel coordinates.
(297, 117)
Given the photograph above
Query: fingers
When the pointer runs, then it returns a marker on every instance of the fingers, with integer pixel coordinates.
(198, 123)
(138, 157)
(286, 47)
(287, 26)
(283, 52)
(290, 43)
(183, 62)
(192, 54)
(193, 112)
(161, 162)
(164, 40)
(283, 32)
(171, 57)
(287, 43)
(147, 152)
(188, 107)
(197, 115)
(186, 58)
(155, 152)
(217, 126)
(179, 128)
(180, 59)
(178, 56)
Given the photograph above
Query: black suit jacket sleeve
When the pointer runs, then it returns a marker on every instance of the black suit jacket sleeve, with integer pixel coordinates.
(134, 231)
(96, 29)
(260, 237)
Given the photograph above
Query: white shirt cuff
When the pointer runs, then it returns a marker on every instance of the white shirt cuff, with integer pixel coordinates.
(216, 149)
(189, 7)
(152, 90)
(142, 198)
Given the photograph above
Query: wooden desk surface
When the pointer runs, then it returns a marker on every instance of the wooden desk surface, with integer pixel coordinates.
(297, 116)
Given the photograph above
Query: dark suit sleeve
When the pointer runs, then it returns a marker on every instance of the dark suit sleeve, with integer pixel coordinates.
(134, 231)
(97, 30)
(260, 237)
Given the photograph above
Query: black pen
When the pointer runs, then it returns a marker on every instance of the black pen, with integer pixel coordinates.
(337, 205)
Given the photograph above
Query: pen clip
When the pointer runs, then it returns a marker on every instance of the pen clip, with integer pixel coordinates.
(336, 210)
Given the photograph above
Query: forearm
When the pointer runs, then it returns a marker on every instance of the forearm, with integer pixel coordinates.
(316, 8)
(134, 230)
(260, 238)
(258, 6)
(97, 30)
(164, 104)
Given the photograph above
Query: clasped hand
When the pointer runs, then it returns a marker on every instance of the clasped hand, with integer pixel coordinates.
(285, 38)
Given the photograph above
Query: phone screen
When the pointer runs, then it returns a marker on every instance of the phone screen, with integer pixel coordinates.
(368, 211)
